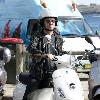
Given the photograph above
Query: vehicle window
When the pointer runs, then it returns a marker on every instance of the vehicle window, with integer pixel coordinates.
(74, 27)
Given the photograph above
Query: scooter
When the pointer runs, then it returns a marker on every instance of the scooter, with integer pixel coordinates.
(94, 75)
(65, 80)
(5, 56)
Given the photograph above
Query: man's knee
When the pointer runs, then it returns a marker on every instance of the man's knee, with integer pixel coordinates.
(25, 78)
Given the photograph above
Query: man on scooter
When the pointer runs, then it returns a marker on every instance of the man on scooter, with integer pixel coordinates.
(43, 46)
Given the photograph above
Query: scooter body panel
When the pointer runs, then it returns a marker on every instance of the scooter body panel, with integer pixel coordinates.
(67, 85)
(94, 78)
(95, 72)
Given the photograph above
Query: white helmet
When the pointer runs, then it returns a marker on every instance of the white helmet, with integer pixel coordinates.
(47, 13)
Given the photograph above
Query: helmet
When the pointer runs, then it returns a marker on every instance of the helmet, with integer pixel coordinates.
(47, 13)
(5, 54)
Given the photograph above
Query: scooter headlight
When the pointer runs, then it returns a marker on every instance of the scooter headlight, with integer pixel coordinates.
(61, 93)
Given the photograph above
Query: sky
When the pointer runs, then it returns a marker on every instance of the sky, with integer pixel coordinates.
(87, 1)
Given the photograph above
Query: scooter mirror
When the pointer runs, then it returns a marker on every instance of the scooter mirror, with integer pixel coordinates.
(89, 41)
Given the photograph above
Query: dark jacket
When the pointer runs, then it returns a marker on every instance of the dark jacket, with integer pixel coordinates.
(37, 42)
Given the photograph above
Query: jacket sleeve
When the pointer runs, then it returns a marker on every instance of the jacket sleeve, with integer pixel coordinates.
(59, 42)
(32, 47)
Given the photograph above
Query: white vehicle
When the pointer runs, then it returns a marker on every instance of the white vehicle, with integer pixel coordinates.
(65, 80)
(94, 75)
(65, 87)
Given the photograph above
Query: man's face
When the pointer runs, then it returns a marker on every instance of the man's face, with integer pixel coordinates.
(49, 23)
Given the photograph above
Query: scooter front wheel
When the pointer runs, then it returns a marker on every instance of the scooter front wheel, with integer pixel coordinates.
(97, 97)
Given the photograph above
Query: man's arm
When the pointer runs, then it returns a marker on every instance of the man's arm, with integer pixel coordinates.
(32, 47)
(59, 42)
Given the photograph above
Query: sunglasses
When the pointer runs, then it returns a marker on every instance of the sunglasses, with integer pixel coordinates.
(49, 21)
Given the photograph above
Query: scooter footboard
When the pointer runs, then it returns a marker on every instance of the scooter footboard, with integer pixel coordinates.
(67, 85)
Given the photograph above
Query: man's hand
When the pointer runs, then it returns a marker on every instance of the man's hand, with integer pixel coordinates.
(50, 56)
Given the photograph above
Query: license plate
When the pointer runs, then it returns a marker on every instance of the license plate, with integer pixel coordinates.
(87, 66)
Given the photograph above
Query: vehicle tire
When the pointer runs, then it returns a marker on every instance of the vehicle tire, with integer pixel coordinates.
(97, 97)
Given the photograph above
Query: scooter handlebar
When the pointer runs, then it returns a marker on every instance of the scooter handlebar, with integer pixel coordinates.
(96, 51)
